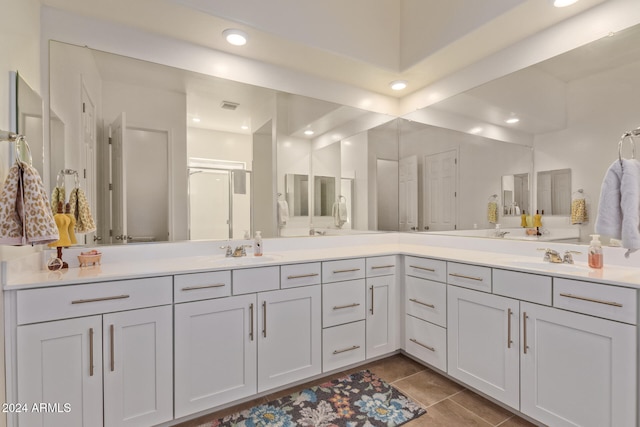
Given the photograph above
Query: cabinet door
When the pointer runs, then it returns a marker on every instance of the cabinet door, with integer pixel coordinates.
(138, 361)
(483, 343)
(577, 369)
(61, 363)
(289, 336)
(382, 337)
(215, 352)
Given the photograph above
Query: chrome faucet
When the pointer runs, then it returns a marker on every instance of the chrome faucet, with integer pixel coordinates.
(568, 256)
(240, 251)
(554, 256)
(228, 252)
(501, 233)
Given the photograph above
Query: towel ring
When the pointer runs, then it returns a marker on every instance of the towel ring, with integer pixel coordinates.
(20, 152)
(633, 145)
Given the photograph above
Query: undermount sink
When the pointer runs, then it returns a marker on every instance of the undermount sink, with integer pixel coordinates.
(221, 260)
(548, 266)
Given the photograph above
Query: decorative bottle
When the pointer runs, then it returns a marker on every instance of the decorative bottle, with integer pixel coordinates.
(257, 248)
(595, 252)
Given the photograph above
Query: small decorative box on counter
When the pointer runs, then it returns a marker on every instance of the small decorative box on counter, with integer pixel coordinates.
(89, 258)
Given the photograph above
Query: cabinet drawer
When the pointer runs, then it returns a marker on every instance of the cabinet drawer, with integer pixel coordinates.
(348, 269)
(469, 276)
(300, 275)
(426, 268)
(609, 302)
(343, 345)
(426, 341)
(40, 305)
(343, 302)
(199, 286)
(381, 266)
(426, 300)
(251, 280)
(522, 286)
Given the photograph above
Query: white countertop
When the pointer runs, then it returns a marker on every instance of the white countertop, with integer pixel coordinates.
(150, 261)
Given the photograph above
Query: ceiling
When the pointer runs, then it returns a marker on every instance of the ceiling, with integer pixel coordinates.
(363, 43)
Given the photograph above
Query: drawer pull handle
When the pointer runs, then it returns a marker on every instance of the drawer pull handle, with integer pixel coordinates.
(374, 267)
(433, 270)
(251, 321)
(90, 352)
(340, 307)
(355, 347)
(599, 301)
(193, 288)
(301, 276)
(113, 352)
(525, 346)
(422, 303)
(83, 301)
(422, 345)
(350, 270)
(509, 340)
(479, 279)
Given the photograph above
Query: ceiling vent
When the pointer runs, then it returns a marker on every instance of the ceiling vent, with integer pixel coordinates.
(228, 105)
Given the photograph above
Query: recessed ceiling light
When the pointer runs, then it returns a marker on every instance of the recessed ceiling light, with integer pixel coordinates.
(235, 37)
(475, 130)
(196, 119)
(244, 127)
(512, 120)
(398, 84)
(563, 3)
(308, 132)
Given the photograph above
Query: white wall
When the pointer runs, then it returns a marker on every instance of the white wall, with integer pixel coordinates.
(212, 144)
(600, 109)
(293, 157)
(354, 165)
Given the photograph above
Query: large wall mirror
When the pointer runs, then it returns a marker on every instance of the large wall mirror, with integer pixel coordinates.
(563, 116)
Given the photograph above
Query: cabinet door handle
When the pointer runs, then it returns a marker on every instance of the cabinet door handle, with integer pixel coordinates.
(193, 288)
(355, 347)
(111, 342)
(509, 341)
(251, 321)
(301, 276)
(479, 279)
(372, 291)
(83, 301)
(525, 347)
(90, 352)
(433, 270)
(375, 267)
(346, 271)
(422, 345)
(422, 303)
(599, 301)
(340, 307)
(264, 319)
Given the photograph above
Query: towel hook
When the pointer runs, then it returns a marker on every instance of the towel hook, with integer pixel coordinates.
(633, 143)
(20, 139)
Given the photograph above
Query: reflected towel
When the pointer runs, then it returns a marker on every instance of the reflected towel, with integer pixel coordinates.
(283, 213)
(339, 214)
(57, 196)
(81, 212)
(619, 208)
(25, 214)
(579, 211)
(492, 212)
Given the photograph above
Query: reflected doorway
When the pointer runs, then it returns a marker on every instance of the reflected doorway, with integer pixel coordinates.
(219, 201)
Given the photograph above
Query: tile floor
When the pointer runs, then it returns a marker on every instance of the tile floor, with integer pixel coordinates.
(448, 404)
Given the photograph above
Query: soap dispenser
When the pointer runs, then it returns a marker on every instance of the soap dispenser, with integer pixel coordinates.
(257, 248)
(595, 252)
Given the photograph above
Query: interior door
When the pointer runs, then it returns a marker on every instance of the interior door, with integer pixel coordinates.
(209, 204)
(440, 191)
(408, 193)
(88, 171)
(117, 132)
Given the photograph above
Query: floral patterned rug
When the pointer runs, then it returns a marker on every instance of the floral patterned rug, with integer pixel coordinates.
(358, 400)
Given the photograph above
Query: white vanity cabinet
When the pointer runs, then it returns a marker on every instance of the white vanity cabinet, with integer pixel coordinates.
(113, 365)
(215, 352)
(382, 335)
(560, 367)
(483, 343)
(425, 302)
(289, 336)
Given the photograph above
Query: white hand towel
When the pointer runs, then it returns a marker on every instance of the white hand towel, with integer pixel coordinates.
(283, 212)
(619, 208)
(339, 212)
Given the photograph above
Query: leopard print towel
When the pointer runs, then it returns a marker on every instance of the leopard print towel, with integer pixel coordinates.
(81, 212)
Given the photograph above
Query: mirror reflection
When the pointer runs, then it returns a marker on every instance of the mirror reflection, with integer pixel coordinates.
(29, 122)
(554, 192)
(515, 194)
